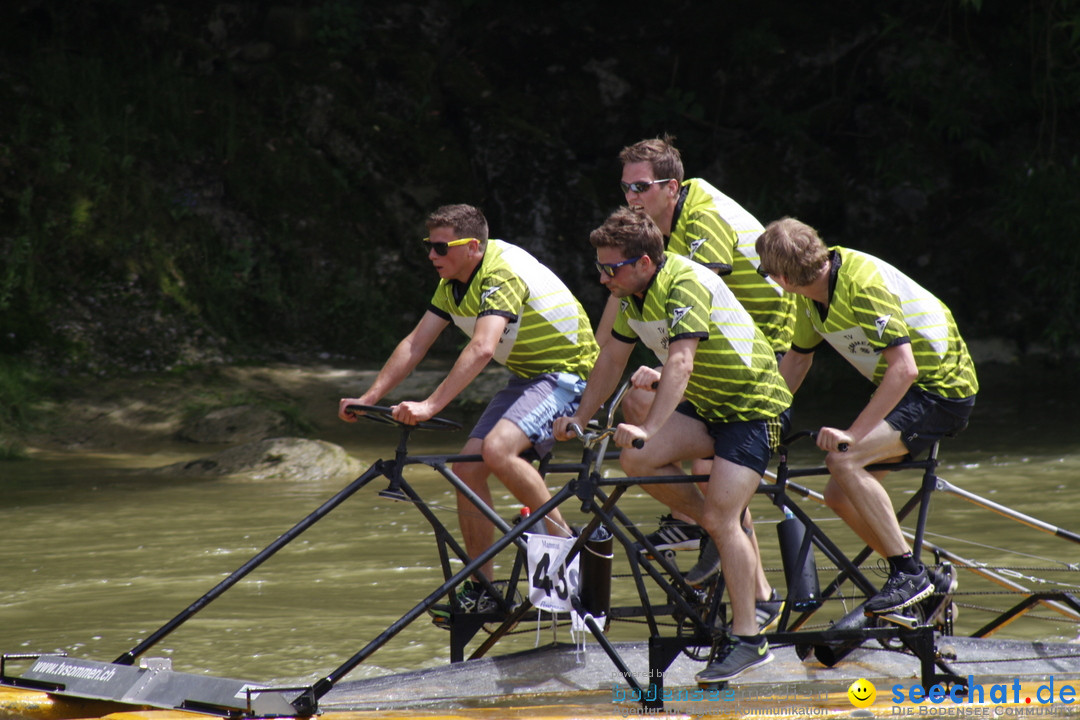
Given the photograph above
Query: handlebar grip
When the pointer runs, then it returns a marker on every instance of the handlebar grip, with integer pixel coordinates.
(638, 443)
(812, 434)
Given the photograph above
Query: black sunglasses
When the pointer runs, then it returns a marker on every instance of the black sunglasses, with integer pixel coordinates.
(441, 248)
(610, 269)
(763, 272)
(641, 185)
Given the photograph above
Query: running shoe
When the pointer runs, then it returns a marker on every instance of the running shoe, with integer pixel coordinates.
(768, 612)
(900, 590)
(473, 598)
(674, 534)
(707, 566)
(943, 578)
(732, 660)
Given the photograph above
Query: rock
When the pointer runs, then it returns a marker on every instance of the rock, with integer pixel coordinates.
(237, 424)
(283, 458)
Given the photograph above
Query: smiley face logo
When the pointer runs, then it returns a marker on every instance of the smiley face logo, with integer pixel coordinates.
(862, 693)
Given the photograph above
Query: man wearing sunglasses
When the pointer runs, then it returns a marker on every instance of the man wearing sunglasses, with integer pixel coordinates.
(715, 396)
(518, 313)
(905, 341)
(701, 223)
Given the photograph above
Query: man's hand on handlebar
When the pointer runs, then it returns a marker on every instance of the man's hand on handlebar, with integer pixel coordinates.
(833, 440)
(350, 415)
(645, 378)
(412, 413)
(627, 435)
(561, 428)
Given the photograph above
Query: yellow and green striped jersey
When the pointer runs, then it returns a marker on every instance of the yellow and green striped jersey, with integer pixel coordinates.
(872, 306)
(714, 230)
(735, 377)
(548, 332)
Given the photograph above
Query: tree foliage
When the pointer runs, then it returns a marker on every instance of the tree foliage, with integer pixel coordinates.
(259, 174)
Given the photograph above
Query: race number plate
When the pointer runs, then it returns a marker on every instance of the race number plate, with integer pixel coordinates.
(552, 581)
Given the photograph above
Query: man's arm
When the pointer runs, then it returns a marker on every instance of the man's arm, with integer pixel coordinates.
(406, 356)
(793, 368)
(602, 382)
(898, 378)
(473, 358)
(669, 392)
(607, 321)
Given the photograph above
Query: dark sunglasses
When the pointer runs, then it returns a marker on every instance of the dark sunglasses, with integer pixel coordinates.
(641, 185)
(441, 248)
(763, 272)
(610, 269)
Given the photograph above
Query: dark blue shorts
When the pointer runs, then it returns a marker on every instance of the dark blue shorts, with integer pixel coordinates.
(744, 443)
(923, 418)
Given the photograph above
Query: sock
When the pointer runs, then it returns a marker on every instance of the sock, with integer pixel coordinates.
(752, 639)
(904, 563)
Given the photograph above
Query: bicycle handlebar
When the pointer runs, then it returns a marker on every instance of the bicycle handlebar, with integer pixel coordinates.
(591, 438)
(812, 434)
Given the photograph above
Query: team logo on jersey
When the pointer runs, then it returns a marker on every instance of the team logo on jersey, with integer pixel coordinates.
(678, 314)
(881, 323)
(857, 344)
(489, 292)
(623, 304)
(696, 244)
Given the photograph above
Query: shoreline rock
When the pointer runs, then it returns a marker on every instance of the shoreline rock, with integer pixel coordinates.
(283, 458)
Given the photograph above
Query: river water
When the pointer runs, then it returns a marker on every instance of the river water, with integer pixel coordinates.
(96, 555)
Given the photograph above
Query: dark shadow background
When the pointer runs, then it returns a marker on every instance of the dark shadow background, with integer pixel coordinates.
(185, 181)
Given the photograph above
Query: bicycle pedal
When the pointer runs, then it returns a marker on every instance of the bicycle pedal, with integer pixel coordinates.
(668, 555)
(899, 618)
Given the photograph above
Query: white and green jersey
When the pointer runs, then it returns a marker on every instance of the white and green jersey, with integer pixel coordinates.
(714, 230)
(548, 331)
(873, 306)
(735, 377)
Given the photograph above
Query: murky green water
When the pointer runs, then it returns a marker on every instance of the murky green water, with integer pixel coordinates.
(94, 556)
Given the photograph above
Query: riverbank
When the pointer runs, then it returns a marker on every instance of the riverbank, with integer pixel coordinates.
(140, 411)
(145, 410)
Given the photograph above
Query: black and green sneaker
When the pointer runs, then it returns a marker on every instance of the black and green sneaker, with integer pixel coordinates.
(473, 598)
(732, 659)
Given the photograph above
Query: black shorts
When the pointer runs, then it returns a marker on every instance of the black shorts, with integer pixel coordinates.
(923, 418)
(746, 443)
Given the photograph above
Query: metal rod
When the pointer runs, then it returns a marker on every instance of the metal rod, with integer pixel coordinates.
(1035, 523)
(324, 685)
(128, 658)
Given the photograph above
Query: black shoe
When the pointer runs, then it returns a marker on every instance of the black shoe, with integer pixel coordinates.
(732, 660)
(674, 534)
(473, 598)
(943, 578)
(900, 590)
(707, 566)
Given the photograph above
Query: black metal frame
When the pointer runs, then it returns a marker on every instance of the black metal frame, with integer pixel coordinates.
(697, 628)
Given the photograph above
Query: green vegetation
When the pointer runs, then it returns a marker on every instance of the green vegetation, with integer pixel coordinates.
(20, 389)
(179, 180)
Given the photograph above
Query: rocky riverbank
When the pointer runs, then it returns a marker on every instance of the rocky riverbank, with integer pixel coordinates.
(222, 407)
(218, 405)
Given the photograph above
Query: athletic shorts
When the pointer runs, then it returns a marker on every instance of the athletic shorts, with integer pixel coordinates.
(743, 442)
(923, 418)
(533, 404)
